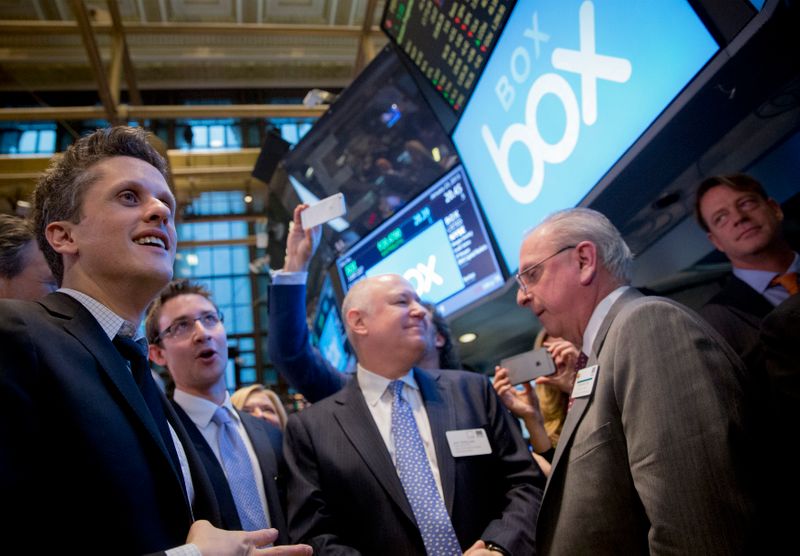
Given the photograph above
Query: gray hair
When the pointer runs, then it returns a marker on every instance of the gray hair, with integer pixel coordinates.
(571, 226)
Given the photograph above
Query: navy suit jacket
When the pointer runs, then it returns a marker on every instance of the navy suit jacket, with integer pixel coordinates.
(82, 464)
(268, 444)
(290, 349)
(344, 493)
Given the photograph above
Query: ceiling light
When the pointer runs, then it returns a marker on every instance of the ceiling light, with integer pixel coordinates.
(467, 338)
(248, 198)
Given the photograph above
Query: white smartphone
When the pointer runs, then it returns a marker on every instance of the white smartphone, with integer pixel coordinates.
(529, 365)
(323, 211)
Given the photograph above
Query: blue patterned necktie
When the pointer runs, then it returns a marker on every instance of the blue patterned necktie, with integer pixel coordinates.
(239, 471)
(417, 479)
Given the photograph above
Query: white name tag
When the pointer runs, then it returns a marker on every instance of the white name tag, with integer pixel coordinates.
(584, 382)
(469, 442)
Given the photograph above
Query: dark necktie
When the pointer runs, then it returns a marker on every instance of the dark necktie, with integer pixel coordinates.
(416, 476)
(136, 354)
(580, 363)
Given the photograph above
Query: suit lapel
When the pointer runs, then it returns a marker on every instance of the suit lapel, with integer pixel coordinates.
(357, 423)
(748, 302)
(440, 409)
(579, 405)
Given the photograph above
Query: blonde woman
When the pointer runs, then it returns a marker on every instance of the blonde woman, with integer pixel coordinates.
(260, 402)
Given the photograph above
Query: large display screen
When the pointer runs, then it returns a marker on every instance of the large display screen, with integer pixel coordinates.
(438, 242)
(448, 40)
(569, 87)
(379, 144)
(327, 330)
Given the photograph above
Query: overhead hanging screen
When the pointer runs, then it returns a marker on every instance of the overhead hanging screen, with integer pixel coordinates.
(448, 40)
(438, 242)
(569, 87)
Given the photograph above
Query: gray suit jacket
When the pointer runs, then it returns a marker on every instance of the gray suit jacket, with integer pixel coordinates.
(655, 459)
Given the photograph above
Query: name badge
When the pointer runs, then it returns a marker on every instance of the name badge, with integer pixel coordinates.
(584, 382)
(468, 442)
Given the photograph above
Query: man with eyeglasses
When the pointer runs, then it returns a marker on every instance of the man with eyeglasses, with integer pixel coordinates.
(186, 335)
(655, 454)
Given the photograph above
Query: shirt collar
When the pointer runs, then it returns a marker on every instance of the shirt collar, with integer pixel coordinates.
(111, 323)
(759, 279)
(373, 386)
(598, 316)
(201, 410)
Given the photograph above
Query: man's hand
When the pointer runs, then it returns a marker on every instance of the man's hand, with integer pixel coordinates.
(218, 542)
(300, 244)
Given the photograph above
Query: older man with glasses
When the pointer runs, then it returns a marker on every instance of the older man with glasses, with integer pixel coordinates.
(654, 454)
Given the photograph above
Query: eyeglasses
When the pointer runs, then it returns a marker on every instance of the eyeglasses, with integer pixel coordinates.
(180, 328)
(526, 278)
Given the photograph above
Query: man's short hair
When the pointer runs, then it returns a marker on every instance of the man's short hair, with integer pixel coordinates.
(15, 236)
(571, 226)
(59, 192)
(737, 182)
(173, 289)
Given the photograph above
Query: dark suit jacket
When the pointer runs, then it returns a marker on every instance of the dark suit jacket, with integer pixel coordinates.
(268, 444)
(290, 349)
(344, 493)
(82, 464)
(660, 457)
(736, 312)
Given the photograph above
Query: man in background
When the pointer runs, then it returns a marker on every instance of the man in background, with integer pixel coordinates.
(404, 460)
(24, 273)
(745, 224)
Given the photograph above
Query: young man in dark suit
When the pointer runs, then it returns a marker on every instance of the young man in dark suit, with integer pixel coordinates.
(186, 335)
(404, 460)
(92, 453)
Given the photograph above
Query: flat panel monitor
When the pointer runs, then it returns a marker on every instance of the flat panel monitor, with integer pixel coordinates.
(379, 144)
(438, 242)
(570, 86)
(448, 40)
(327, 330)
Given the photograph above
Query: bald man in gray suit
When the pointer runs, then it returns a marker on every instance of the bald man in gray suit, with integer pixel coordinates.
(654, 453)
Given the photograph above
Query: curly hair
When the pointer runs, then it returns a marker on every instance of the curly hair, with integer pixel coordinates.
(59, 192)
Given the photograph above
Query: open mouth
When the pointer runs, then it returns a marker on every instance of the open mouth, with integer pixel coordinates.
(206, 354)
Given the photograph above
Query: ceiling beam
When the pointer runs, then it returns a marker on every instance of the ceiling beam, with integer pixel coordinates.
(127, 65)
(162, 112)
(95, 61)
(33, 27)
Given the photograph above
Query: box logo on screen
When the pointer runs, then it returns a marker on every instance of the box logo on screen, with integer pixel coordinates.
(434, 276)
(569, 87)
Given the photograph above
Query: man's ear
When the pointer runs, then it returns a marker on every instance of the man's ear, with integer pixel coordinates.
(440, 341)
(156, 354)
(355, 322)
(587, 261)
(59, 236)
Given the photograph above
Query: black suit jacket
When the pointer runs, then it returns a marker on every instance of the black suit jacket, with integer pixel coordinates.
(268, 444)
(344, 493)
(736, 313)
(82, 464)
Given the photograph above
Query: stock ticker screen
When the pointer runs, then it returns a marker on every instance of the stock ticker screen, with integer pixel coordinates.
(448, 40)
(327, 330)
(438, 242)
